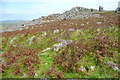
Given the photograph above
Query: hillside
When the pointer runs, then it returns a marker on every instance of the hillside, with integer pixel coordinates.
(6, 25)
(78, 43)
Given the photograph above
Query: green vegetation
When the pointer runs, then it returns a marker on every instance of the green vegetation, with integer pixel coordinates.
(71, 57)
(85, 57)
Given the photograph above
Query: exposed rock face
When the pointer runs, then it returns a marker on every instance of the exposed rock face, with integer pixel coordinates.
(74, 13)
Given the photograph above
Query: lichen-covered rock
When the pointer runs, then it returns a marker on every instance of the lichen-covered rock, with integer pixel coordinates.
(59, 46)
(31, 40)
(113, 66)
(11, 41)
(56, 31)
(82, 68)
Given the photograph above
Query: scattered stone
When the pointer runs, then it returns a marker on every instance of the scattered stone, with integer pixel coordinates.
(71, 29)
(59, 46)
(46, 49)
(3, 62)
(43, 53)
(26, 27)
(11, 41)
(98, 22)
(56, 31)
(44, 34)
(82, 24)
(78, 30)
(36, 75)
(14, 45)
(31, 40)
(87, 22)
(21, 28)
(113, 66)
(92, 68)
(46, 63)
(82, 69)
(74, 13)
(44, 79)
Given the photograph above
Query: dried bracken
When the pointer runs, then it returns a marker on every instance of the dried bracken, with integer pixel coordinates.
(52, 72)
(18, 57)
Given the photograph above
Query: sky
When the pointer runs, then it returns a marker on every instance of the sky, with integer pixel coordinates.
(33, 9)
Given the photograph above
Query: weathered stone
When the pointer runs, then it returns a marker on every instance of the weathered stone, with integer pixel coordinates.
(82, 68)
(59, 46)
(46, 49)
(31, 40)
(92, 68)
(44, 34)
(113, 66)
(71, 29)
(74, 13)
(98, 22)
(82, 24)
(56, 31)
(11, 41)
(100, 8)
(36, 75)
(87, 22)
(44, 79)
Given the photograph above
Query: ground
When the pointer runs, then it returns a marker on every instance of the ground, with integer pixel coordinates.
(94, 44)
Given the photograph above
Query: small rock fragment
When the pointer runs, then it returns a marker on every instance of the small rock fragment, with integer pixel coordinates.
(82, 24)
(46, 49)
(113, 66)
(36, 75)
(11, 41)
(82, 69)
(92, 68)
(44, 34)
(98, 23)
(31, 40)
(56, 31)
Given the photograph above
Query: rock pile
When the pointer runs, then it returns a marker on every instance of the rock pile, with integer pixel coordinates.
(74, 13)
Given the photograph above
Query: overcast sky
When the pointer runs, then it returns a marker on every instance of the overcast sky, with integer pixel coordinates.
(31, 9)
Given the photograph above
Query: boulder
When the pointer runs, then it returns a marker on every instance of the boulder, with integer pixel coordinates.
(113, 66)
(31, 40)
(100, 8)
(56, 31)
(59, 46)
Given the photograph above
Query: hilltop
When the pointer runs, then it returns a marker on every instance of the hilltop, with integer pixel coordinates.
(79, 43)
(74, 13)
